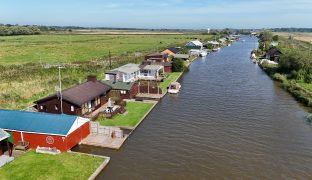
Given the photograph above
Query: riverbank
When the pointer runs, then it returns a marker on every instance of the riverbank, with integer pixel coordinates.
(292, 69)
(300, 91)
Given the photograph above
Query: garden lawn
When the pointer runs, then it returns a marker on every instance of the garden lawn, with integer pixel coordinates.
(44, 166)
(135, 112)
(171, 77)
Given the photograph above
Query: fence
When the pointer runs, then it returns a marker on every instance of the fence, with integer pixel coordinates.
(97, 129)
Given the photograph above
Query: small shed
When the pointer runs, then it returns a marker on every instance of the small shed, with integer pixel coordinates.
(122, 90)
(182, 56)
(58, 131)
(4, 142)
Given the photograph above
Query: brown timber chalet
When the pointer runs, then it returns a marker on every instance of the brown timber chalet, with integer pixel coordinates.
(79, 100)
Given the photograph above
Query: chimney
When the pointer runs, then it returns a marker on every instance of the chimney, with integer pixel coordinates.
(91, 78)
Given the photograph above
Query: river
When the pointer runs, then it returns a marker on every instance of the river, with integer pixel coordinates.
(230, 121)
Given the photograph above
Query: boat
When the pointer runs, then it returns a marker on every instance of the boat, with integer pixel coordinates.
(174, 88)
(216, 49)
(203, 53)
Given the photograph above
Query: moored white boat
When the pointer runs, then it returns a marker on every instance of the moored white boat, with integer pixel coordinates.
(174, 88)
(203, 53)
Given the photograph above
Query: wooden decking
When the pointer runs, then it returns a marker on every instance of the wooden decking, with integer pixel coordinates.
(146, 96)
(104, 141)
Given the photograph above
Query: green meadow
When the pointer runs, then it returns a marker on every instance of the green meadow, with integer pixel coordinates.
(24, 77)
(66, 48)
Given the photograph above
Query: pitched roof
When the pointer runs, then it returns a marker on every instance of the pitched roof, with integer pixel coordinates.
(182, 56)
(119, 85)
(82, 93)
(127, 68)
(174, 50)
(152, 67)
(156, 54)
(45, 123)
(3, 135)
(194, 43)
(273, 52)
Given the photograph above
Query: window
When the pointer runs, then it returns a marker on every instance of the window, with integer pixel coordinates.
(41, 107)
(72, 108)
(123, 92)
(56, 107)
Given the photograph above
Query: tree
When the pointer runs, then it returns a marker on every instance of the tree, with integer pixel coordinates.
(177, 65)
(275, 38)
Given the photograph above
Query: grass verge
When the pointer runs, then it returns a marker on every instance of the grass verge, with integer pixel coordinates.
(44, 166)
(171, 77)
(135, 112)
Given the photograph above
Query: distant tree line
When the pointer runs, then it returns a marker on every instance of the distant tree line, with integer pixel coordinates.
(291, 29)
(13, 30)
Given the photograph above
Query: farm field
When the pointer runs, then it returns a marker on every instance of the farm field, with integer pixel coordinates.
(24, 77)
(307, 37)
(72, 48)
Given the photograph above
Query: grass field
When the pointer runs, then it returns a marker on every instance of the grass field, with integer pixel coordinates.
(135, 112)
(72, 48)
(43, 166)
(23, 79)
(306, 37)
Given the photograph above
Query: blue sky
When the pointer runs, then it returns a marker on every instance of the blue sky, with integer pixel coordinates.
(189, 14)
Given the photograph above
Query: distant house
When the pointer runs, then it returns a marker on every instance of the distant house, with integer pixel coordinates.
(171, 51)
(194, 45)
(273, 54)
(156, 57)
(122, 90)
(59, 131)
(125, 73)
(185, 57)
(79, 100)
(151, 72)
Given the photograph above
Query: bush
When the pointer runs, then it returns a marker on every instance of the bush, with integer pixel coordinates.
(309, 118)
(178, 65)
(279, 77)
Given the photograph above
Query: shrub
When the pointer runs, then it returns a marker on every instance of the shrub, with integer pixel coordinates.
(177, 65)
(309, 118)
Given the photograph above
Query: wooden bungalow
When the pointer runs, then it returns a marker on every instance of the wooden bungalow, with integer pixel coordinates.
(273, 54)
(157, 57)
(79, 100)
(122, 90)
(35, 129)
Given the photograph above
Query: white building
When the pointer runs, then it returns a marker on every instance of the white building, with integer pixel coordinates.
(125, 73)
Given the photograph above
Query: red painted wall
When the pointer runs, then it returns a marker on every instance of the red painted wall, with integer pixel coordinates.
(168, 68)
(60, 142)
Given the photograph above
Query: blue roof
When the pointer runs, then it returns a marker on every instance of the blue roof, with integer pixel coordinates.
(58, 124)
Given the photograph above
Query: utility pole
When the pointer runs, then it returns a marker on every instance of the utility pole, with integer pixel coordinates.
(110, 60)
(60, 88)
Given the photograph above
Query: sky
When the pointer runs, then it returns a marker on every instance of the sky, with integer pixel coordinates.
(171, 14)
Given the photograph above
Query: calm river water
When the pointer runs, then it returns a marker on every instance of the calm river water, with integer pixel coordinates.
(230, 121)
